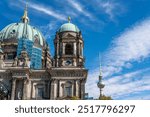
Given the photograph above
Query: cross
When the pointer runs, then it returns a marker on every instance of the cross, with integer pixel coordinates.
(69, 19)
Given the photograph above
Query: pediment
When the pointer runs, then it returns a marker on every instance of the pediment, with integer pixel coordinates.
(69, 35)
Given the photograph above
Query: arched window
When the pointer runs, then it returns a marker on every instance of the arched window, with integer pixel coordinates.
(68, 89)
(68, 49)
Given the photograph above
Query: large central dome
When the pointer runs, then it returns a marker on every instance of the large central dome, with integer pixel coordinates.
(20, 39)
(21, 30)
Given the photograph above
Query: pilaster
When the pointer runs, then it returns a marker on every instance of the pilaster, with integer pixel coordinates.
(24, 95)
(52, 90)
(74, 88)
(82, 89)
(58, 88)
(13, 89)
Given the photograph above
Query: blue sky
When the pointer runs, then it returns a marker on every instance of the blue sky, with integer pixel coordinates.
(118, 29)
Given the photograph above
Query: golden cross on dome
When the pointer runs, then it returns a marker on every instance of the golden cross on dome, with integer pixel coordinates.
(25, 18)
(69, 19)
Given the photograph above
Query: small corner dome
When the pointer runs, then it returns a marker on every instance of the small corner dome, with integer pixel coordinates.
(17, 31)
(68, 27)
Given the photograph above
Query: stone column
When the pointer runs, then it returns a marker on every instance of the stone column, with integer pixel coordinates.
(74, 62)
(24, 89)
(75, 49)
(57, 62)
(32, 91)
(28, 90)
(48, 89)
(13, 88)
(63, 48)
(1, 61)
(77, 89)
(52, 90)
(82, 89)
(57, 49)
(81, 49)
(74, 88)
(58, 88)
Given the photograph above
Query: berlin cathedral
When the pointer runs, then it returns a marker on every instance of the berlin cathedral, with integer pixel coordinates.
(29, 72)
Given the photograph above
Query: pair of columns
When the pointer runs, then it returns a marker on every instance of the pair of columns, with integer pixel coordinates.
(78, 90)
(13, 89)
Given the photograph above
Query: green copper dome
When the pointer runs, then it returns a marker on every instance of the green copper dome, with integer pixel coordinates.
(69, 27)
(21, 30)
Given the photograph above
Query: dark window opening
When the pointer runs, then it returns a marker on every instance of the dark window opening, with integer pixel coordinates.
(68, 89)
(40, 93)
(68, 49)
(10, 56)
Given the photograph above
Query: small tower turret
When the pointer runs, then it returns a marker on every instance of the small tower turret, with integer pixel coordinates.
(69, 46)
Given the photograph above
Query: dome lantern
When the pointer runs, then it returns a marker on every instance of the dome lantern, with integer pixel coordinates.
(25, 18)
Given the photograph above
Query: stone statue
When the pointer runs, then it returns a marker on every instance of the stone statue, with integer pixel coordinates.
(15, 63)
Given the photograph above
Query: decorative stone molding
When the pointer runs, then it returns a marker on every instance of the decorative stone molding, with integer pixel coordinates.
(68, 73)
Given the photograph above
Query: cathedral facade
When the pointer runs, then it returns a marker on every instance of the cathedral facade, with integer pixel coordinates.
(29, 72)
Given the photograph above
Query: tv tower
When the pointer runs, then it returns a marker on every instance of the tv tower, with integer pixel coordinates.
(100, 83)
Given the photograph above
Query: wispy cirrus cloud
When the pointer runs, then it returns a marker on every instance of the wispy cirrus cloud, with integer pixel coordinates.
(43, 9)
(133, 45)
(110, 7)
(128, 84)
(121, 86)
(47, 11)
(76, 5)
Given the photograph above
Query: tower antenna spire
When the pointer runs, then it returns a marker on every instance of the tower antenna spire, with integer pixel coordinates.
(100, 66)
(26, 8)
(25, 18)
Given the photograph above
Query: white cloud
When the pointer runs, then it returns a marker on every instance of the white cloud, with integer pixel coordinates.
(133, 45)
(129, 83)
(137, 97)
(49, 29)
(121, 86)
(47, 11)
(76, 5)
(110, 7)
(40, 8)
